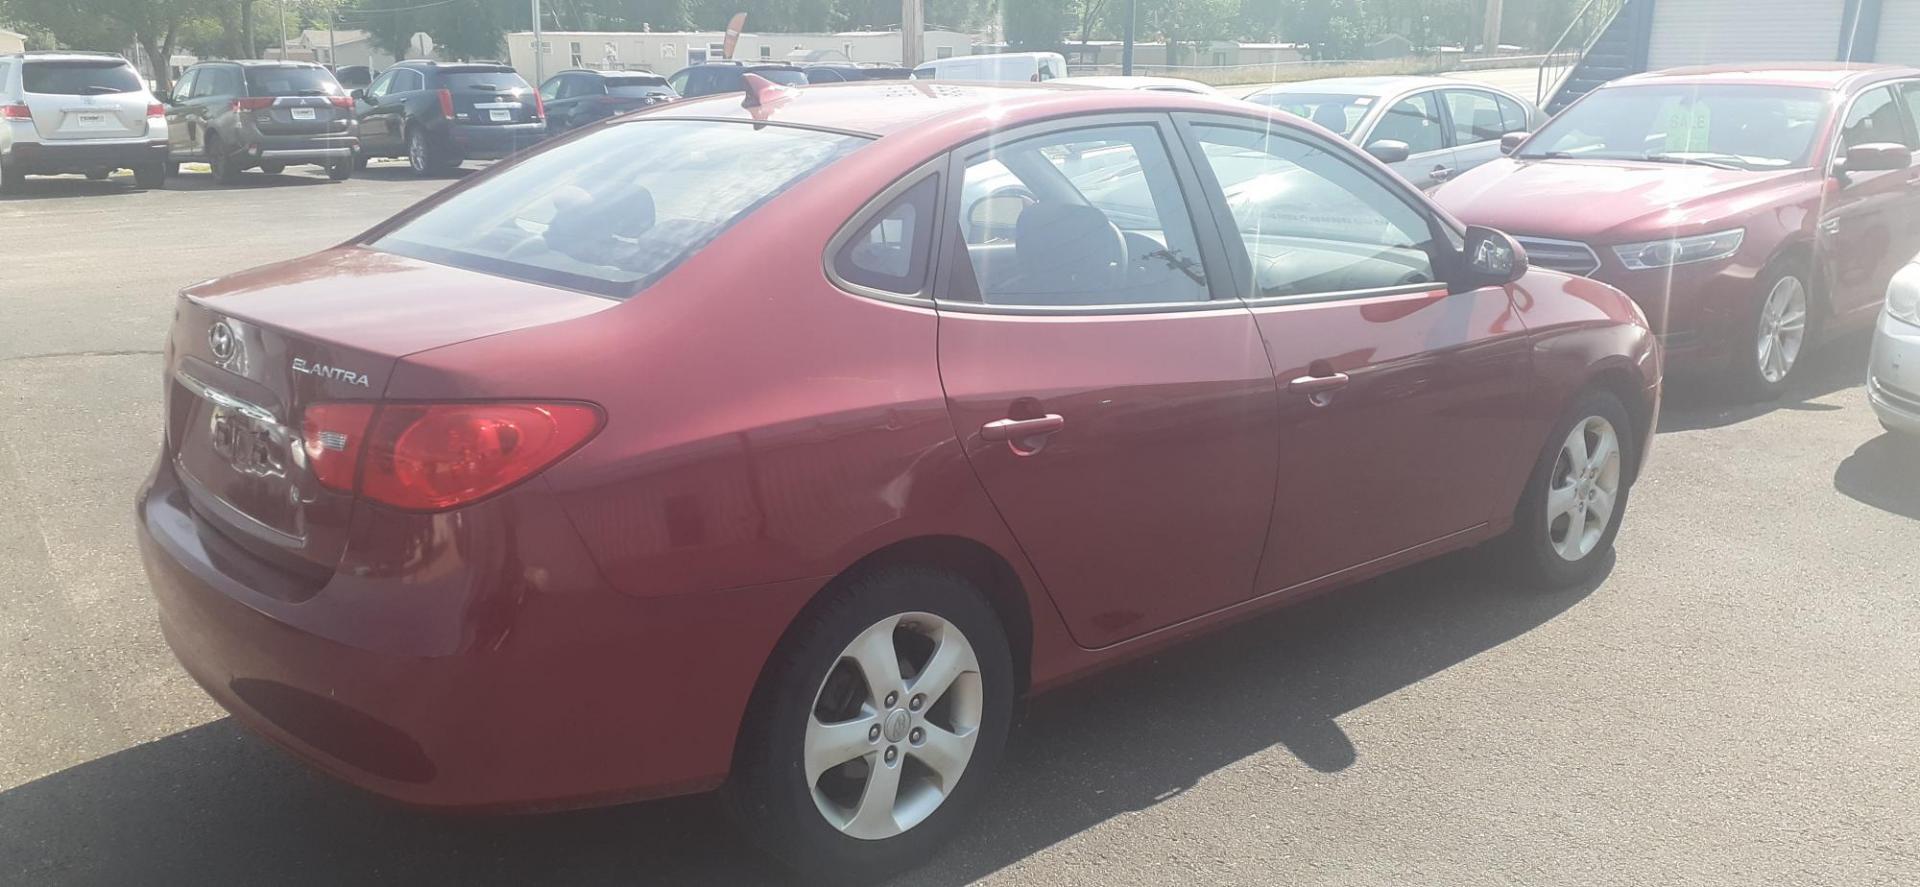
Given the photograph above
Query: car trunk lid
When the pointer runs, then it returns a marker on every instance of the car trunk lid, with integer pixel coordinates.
(85, 98)
(297, 99)
(250, 353)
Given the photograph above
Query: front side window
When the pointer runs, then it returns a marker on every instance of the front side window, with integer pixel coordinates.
(552, 89)
(104, 77)
(1476, 116)
(610, 213)
(890, 252)
(1310, 220)
(183, 88)
(1738, 127)
(1875, 117)
(383, 85)
(1513, 118)
(1085, 217)
(1415, 121)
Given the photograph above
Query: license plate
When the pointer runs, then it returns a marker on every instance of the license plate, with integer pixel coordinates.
(499, 115)
(303, 113)
(92, 120)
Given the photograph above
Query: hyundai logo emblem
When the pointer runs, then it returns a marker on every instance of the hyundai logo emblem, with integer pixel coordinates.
(221, 339)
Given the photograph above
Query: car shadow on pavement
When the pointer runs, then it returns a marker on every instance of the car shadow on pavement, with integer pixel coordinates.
(1695, 404)
(72, 186)
(215, 805)
(1884, 473)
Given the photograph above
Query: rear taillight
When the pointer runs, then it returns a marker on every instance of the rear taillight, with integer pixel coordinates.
(155, 109)
(253, 103)
(539, 106)
(446, 103)
(16, 112)
(431, 457)
(340, 101)
(334, 434)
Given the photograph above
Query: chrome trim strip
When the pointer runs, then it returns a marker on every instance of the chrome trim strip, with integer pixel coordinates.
(221, 398)
(1405, 289)
(309, 152)
(1091, 310)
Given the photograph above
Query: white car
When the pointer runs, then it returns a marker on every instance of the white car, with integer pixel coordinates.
(78, 112)
(1429, 129)
(1002, 67)
(1893, 377)
(1149, 84)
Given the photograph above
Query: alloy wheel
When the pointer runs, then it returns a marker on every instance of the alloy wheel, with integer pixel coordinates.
(1583, 487)
(893, 726)
(417, 152)
(1783, 329)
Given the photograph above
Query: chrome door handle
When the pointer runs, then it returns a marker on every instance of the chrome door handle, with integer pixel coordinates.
(1318, 384)
(1023, 429)
(1442, 173)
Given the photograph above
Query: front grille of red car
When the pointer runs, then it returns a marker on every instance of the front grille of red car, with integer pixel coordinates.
(1570, 256)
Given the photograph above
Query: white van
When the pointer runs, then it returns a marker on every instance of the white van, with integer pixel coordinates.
(1000, 67)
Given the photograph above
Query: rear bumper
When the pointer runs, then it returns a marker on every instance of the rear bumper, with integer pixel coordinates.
(473, 662)
(49, 158)
(1893, 378)
(305, 149)
(482, 142)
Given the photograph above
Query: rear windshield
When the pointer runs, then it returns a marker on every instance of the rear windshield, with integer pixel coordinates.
(614, 211)
(496, 81)
(80, 78)
(291, 80)
(638, 86)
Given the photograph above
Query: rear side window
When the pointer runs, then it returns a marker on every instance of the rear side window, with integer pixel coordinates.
(613, 212)
(292, 80)
(782, 76)
(80, 78)
(890, 252)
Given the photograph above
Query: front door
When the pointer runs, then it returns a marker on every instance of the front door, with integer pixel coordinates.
(1865, 226)
(1399, 402)
(1416, 121)
(1112, 394)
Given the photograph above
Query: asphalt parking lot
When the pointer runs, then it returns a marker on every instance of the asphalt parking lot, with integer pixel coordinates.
(1738, 702)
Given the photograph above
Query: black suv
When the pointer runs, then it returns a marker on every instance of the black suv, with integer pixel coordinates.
(579, 97)
(241, 115)
(713, 78)
(438, 114)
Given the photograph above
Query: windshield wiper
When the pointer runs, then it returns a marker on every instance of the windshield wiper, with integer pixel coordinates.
(1548, 155)
(1731, 162)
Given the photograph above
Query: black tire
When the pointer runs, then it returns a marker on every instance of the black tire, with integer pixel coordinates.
(340, 171)
(225, 170)
(151, 177)
(425, 158)
(12, 182)
(273, 169)
(360, 160)
(98, 175)
(172, 168)
(1745, 378)
(1530, 543)
(768, 794)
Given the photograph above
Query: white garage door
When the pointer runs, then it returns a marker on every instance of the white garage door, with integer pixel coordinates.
(1899, 33)
(1712, 32)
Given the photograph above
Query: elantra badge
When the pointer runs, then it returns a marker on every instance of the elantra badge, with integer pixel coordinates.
(337, 374)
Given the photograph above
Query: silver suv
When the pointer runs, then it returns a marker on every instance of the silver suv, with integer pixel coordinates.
(84, 112)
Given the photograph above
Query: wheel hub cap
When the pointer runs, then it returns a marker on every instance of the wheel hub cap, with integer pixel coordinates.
(1783, 329)
(897, 724)
(1583, 488)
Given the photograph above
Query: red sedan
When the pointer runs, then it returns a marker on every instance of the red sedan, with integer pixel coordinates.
(1751, 212)
(780, 448)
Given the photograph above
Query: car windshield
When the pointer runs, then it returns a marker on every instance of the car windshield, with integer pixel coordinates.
(1340, 113)
(80, 78)
(638, 86)
(291, 80)
(1740, 127)
(610, 213)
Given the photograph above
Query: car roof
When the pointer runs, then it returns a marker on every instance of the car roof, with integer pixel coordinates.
(1374, 86)
(66, 56)
(598, 72)
(1820, 75)
(880, 107)
(262, 63)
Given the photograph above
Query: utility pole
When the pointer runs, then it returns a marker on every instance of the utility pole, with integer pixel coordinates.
(1490, 39)
(1126, 45)
(539, 49)
(913, 28)
(333, 44)
(283, 30)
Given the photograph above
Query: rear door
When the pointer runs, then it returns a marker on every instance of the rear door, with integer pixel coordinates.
(1477, 122)
(1111, 393)
(306, 100)
(1396, 398)
(489, 95)
(1417, 121)
(84, 98)
(180, 125)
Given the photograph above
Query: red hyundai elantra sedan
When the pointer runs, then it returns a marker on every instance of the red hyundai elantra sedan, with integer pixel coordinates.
(779, 448)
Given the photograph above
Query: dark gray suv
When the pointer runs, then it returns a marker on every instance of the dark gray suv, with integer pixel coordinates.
(267, 115)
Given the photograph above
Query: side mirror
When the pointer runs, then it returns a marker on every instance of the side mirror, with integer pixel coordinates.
(1389, 150)
(1874, 157)
(358, 95)
(1510, 142)
(1490, 258)
(997, 212)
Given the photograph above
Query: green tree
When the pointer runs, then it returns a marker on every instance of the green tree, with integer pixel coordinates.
(1035, 24)
(108, 25)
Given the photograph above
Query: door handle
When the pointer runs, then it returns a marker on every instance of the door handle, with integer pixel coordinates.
(1023, 429)
(1318, 384)
(1442, 173)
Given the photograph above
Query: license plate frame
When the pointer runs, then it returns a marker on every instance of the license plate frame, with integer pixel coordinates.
(303, 114)
(500, 115)
(90, 119)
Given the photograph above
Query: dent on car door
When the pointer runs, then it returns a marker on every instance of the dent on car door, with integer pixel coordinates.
(1396, 397)
(1112, 396)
